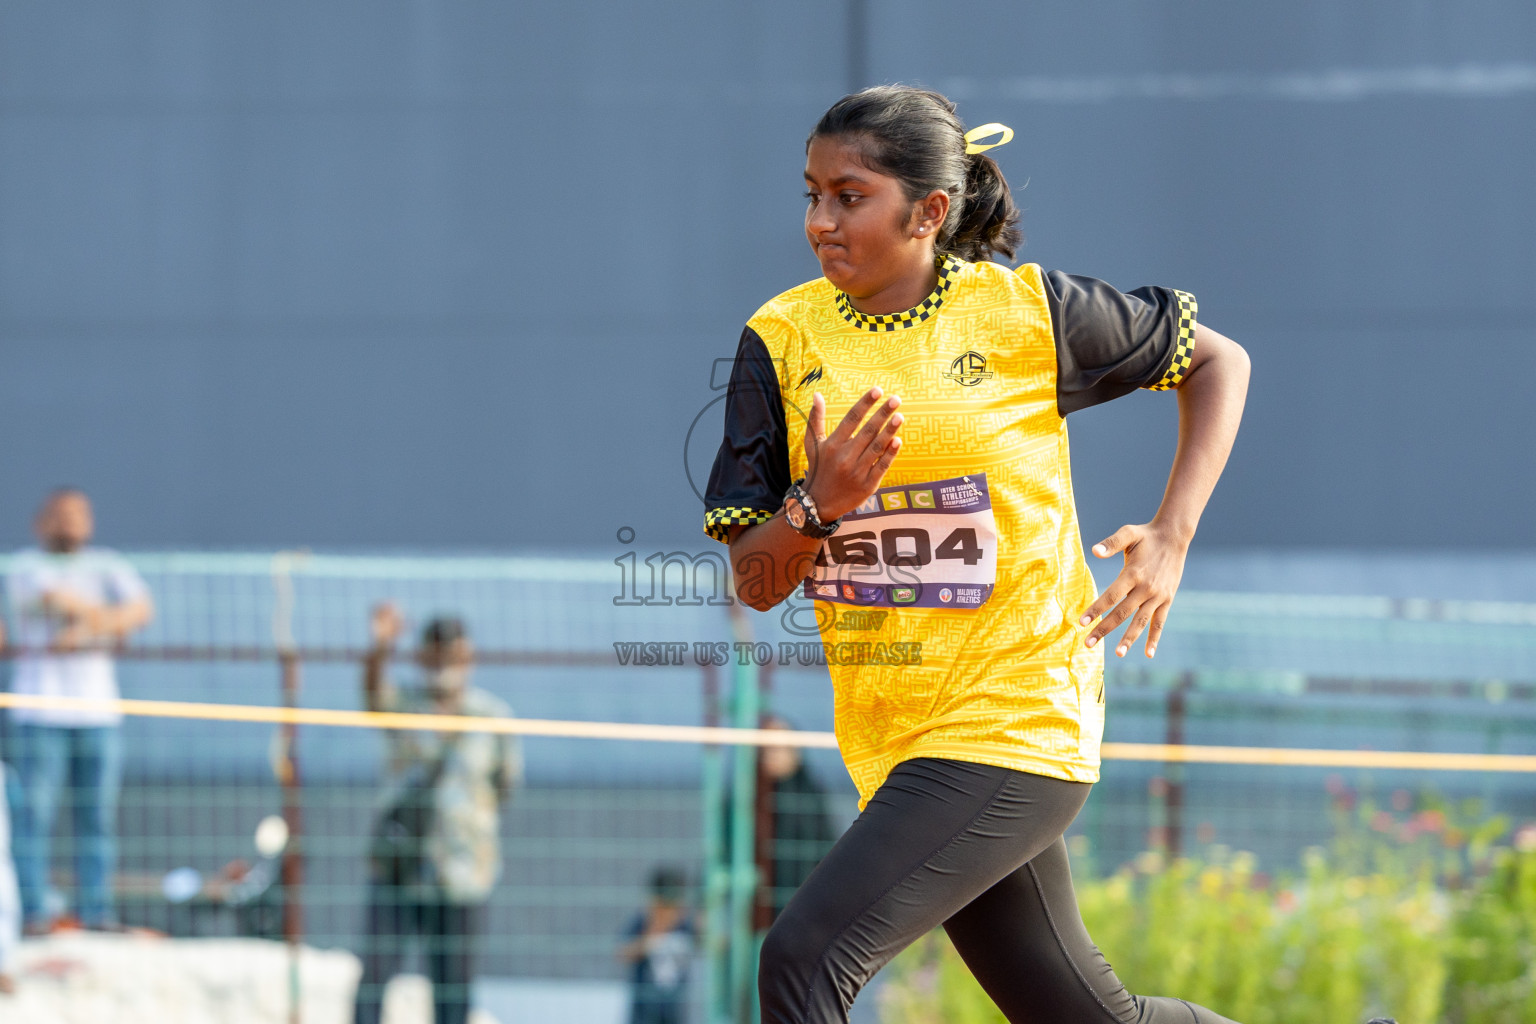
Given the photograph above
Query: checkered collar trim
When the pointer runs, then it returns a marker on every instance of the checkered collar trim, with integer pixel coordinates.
(949, 269)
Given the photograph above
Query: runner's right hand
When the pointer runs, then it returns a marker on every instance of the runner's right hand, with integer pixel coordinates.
(846, 466)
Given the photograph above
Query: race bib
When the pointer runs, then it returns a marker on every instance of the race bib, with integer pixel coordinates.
(928, 545)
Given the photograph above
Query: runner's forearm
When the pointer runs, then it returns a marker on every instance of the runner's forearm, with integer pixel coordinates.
(1210, 409)
(769, 560)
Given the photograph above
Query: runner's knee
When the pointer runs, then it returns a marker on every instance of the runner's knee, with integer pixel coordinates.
(790, 950)
(798, 973)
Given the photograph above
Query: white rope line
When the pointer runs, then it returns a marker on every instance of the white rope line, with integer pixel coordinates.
(1159, 752)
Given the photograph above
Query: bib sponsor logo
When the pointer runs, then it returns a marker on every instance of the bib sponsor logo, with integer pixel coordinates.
(961, 493)
(894, 500)
(903, 595)
(921, 499)
(946, 595)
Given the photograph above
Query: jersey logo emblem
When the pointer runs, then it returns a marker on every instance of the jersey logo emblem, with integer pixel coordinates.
(810, 378)
(969, 370)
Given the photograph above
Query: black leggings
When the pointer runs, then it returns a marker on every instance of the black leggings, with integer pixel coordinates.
(977, 849)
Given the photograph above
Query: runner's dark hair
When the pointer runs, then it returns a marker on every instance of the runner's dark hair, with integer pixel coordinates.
(914, 136)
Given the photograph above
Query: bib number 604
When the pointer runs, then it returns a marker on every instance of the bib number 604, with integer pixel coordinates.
(901, 546)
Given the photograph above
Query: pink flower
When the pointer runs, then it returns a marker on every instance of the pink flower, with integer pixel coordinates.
(1382, 821)
(1429, 821)
(1335, 785)
(1401, 800)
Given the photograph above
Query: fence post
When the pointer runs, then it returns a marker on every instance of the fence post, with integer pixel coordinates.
(286, 766)
(1173, 800)
(744, 715)
(716, 882)
(763, 841)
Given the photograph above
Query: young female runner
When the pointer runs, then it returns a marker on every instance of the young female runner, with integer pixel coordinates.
(970, 713)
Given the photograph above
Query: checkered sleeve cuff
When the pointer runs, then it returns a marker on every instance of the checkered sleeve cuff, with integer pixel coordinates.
(718, 521)
(1183, 345)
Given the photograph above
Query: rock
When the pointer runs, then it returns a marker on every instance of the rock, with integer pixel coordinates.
(86, 978)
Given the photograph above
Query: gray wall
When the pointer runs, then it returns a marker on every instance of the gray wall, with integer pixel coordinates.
(423, 273)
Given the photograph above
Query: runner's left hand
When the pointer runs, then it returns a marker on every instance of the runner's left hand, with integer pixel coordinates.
(1154, 564)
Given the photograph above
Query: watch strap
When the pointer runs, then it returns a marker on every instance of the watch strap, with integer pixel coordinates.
(813, 526)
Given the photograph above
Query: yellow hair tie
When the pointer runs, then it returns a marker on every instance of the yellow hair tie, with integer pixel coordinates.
(972, 147)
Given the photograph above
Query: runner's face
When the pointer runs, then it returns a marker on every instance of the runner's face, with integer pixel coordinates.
(861, 225)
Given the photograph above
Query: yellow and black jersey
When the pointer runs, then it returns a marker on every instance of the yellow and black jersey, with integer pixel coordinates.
(948, 600)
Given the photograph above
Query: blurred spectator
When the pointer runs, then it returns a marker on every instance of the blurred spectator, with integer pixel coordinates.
(10, 898)
(659, 948)
(800, 829)
(71, 604)
(435, 854)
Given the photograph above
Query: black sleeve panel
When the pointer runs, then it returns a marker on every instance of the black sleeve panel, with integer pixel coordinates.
(1109, 343)
(751, 471)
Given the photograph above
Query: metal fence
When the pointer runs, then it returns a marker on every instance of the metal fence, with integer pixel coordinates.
(555, 639)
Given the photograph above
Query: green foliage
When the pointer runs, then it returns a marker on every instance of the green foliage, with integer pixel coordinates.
(1492, 954)
(1423, 911)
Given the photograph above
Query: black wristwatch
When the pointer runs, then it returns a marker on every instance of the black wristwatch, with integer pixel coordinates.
(800, 512)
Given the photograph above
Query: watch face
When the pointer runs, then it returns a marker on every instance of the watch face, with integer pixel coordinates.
(795, 513)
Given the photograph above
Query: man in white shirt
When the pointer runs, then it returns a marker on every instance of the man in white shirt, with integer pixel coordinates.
(70, 606)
